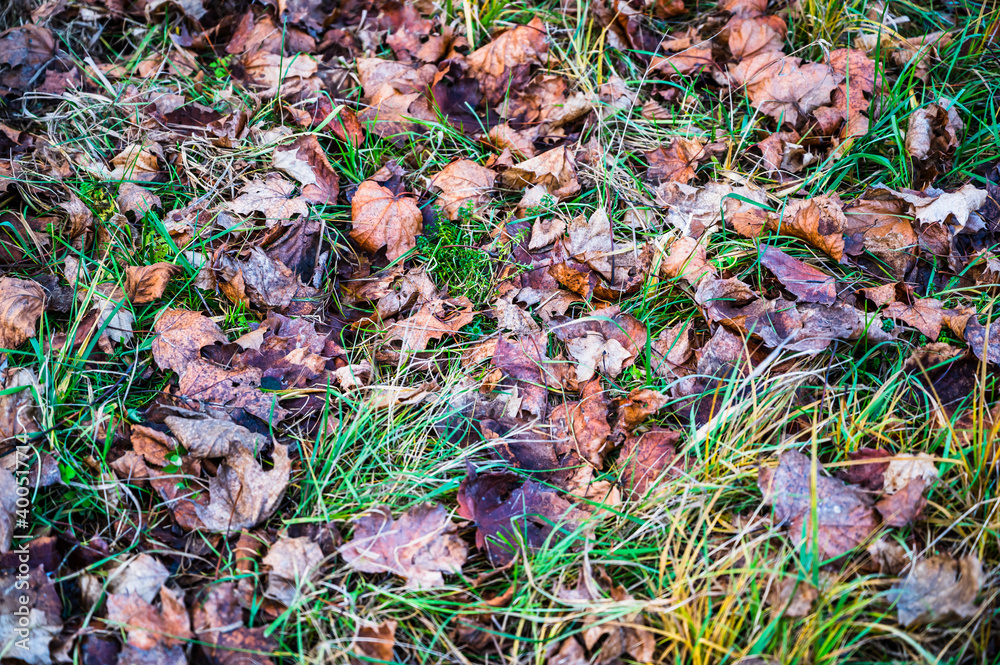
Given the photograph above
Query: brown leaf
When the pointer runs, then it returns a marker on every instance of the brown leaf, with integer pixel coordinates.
(218, 623)
(866, 474)
(924, 314)
(676, 162)
(508, 512)
(582, 427)
(461, 183)
(903, 469)
(844, 516)
(375, 643)
(433, 320)
(905, 506)
(880, 224)
(687, 260)
(293, 563)
(689, 61)
(782, 87)
(180, 336)
(644, 458)
(144, 284)
(137, 200)
(503, 63)
(671, 350)
(939, 589)
(147, 627)
(554, 169)
(138, 162)
(273, 197)
(933, 134)
(270, 73)
(305, 161)
(801, 279)
(792, 597)
(607, 341)
(419, 546)
(524, 360)
(819, 221)
(750, 36)
(22, 302)
(381, 219)
(25, 51)
(241, 494)
(637, 406)
(18, 410)
(697, 210)
(265, 282)
(986, 347)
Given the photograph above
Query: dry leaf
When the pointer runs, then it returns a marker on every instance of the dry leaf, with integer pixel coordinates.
(273, 197)
(420, 546)
(644, 459)
(375, 643)
(180, 336)
(844, 516)
(462, 183)
(433, 320)
(382, 219)
(554, 169)
(305, 161)
(801, 279)
(819, 221)
(687, 260)
(22, 302)
(939, 589)
(676, 162)
(293, 563)
(904, 468)
(137, 200)
(792, 597)
(503, 64)
(143, 576)
(144, 284)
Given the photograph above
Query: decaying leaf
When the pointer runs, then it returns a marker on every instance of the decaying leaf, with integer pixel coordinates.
(145, 284)
(644, 458)
(461, 183)
(801, 279)
(676, 162)
(22, 302)
(273, 196)
(420, 546)
(554, 169)
(382, 219)
(844, 516)
(509, 511)
(293, 563)
(903, 469)
(503, 64)
(433, 320)
(43, 621)
(939, 589)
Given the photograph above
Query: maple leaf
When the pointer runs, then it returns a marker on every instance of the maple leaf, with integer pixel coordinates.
(508, 511)
(218, 624)
(147, 627)
(136, 200)
(25, 50)
(782, 87)
(433, 320)
(460, 183)
(554, 169)
(676, 162)
(420, 546)
(380, 218)
(819, 221)
(687, 260)
(180, 336)
(305, 161)
(582, 427)
(271, 72)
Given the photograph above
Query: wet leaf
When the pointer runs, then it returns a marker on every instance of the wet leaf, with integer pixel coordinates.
(21, 304)
(145, 284)
(801, 279)
(462, 183)
(503, 64)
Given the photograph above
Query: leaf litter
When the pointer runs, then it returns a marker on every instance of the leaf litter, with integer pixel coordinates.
(301, 217)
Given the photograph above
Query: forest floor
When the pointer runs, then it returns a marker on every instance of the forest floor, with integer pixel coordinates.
(499, 332)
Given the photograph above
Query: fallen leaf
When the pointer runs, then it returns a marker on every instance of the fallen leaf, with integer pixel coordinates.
(241, 494)
(218, 624)
(866, 474)
(375, 643)
(145, 284)
(554, 169)
(844, 516)
(305, 160)
(687, 260)
(607, 340)
(420, 546)
(637, 406)
(924, 314)
(503, 64)
(137, 200)
(782, 87)
(293, 563)
(509, 511)
(676, 162)
(433, 320)
(751, 36)
(939, 589)
(180, 336)
(904, 468)
(671, 350)
(545, 231)
(801, 279)
(271, 73)
(147, 627)
(263, 281)
(18, 410)
(582, 427)
(43, 621)
(696, 211)
(792, 597)
(905, 506)
(645, 458)
(22, 302)
(142, 576)
(273, 197)
(933, 134)
(463, 183)
(139, 161)
(819, 221)
(382, 219)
